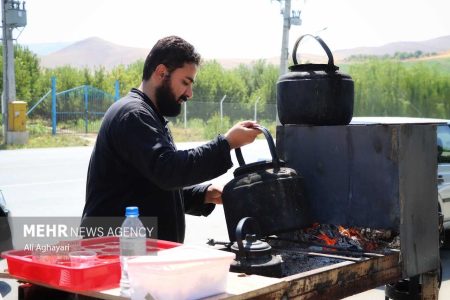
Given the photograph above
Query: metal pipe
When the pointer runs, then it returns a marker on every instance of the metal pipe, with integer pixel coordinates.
(37, 103)
(256, 108)
(117, 88)
(86, 107)
(53, 105)
(69, 90)
(221, 107)
(185, 114)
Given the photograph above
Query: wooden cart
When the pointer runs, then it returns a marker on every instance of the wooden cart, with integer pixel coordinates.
(331, 282)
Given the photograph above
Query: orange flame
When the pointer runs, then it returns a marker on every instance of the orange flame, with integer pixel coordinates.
(343, 231)
(350, 233)
(355, 234)
(329, 241)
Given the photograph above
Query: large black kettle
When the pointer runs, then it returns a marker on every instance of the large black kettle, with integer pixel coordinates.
(315, 94)
(266, 191)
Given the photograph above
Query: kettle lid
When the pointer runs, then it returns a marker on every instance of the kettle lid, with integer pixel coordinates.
(251, 247)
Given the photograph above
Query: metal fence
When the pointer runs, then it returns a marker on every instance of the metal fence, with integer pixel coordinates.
(80, 111)
(77, 110)
(205, 111)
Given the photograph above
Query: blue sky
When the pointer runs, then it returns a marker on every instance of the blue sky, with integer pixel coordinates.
(234, 28)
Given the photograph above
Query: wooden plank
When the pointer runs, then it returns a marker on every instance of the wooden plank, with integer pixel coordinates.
(4, 269)
(346, 274)
(349, 288)
(241, 286)
(430, 290)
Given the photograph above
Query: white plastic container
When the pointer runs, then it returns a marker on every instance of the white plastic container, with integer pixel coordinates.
(84, 258)
(181, 273)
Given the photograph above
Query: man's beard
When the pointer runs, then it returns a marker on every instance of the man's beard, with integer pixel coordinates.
(166, 100)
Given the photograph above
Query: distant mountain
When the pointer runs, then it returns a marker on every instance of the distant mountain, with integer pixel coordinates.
(95, 52)
(437, 45)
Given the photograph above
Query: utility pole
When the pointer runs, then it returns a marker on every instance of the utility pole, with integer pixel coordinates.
(13, 16)
(288, 20)
(286, 11)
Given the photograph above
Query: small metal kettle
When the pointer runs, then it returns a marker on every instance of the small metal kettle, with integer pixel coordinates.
(254, 256)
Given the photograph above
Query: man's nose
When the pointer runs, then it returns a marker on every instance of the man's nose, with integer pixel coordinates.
(189, 92)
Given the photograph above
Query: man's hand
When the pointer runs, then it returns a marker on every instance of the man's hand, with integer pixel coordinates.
(241, 134)
(214, 194)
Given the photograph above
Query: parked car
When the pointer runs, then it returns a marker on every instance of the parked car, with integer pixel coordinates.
(5, 229)
(443, 141)
(443, 157)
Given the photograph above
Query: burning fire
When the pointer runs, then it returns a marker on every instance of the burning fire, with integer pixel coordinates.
(345, 238)
(328, 241)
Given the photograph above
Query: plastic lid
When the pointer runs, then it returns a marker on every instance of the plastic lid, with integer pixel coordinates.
(132, 211)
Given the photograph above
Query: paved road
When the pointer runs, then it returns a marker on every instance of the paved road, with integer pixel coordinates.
(51, 182)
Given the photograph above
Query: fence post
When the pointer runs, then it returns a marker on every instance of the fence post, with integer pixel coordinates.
(256, 108)
(117, 87)
(86, 103)
(53, 105)
(221, 107)
(185, 114)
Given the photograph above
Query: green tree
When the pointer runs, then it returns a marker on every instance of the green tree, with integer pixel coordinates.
(208, 86)
(128, 76)
(27, 73)
(260, 80)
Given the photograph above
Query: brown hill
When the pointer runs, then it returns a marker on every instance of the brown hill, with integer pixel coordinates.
(93, 53)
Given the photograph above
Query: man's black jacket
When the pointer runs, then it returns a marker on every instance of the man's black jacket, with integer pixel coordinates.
(135, 163)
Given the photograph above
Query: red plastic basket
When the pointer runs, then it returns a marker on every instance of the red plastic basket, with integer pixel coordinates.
(104, 273)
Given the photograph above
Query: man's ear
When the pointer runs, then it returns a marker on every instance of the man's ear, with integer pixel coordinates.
(161, 71)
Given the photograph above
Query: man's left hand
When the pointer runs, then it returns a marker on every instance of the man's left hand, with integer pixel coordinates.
(214, 194)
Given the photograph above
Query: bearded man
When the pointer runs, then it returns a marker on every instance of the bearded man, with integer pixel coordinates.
(135, 161)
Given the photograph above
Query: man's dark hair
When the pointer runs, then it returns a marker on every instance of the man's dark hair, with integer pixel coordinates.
(171, 51)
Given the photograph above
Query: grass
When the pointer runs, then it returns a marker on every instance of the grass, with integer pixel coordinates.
(41, 137)
(49, 141)
(440, 64)
(181, 134)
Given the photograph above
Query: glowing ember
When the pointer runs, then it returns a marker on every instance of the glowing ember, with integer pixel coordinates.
(352, 238)
(326, 239)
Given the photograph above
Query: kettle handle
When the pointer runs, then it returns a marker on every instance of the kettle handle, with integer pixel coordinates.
(240, 234)
(273, 152)
(321, 42)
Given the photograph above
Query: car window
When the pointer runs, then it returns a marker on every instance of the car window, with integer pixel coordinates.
(443, 143)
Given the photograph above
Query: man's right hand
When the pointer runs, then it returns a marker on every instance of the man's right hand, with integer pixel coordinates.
(241, 134)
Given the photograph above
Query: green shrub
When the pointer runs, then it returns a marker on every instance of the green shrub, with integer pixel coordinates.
(215, 125)
(196, 124)
(38, 127)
